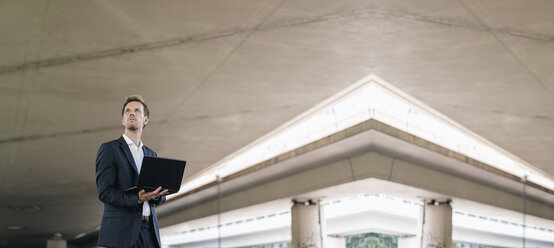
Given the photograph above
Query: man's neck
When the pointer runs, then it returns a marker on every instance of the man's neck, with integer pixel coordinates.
(134, 135)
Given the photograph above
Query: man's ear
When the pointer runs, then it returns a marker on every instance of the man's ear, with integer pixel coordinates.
(123, 120)
(145, 120)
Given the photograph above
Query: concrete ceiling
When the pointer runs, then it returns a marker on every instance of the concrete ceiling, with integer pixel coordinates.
(219, 74)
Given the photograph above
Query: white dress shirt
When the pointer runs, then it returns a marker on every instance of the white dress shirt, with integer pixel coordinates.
(138, 155)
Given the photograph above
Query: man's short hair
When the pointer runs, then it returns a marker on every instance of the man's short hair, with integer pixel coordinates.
(136, 98)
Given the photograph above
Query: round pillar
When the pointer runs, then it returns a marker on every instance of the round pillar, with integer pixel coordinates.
(306, 225)
(56, 241)
(437, 224)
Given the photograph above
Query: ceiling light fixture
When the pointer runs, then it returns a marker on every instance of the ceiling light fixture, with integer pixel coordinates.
(31, 208)
(14, 228)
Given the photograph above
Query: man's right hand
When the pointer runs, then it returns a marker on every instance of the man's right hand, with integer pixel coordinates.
(143, 196)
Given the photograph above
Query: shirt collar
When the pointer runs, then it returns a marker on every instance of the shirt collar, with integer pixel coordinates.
(130, 141)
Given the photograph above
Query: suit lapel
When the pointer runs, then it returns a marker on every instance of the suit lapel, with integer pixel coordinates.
(127, 153)
(147, 151)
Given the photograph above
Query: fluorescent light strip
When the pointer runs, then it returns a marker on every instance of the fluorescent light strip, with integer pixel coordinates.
(369, 98)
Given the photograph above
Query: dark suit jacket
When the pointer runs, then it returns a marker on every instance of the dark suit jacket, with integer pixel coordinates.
(115, 172)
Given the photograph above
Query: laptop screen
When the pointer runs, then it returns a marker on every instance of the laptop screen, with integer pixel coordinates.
(164, 172)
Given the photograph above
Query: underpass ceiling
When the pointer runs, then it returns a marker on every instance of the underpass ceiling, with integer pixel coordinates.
(218, 75)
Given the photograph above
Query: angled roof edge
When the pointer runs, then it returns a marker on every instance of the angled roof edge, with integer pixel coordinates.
(227, 168)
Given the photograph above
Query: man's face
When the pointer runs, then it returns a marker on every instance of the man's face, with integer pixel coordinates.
(133, 116)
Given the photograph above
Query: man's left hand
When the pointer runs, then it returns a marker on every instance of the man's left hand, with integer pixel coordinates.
(143, 196)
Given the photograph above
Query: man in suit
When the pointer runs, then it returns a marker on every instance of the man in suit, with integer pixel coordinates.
(129, 219)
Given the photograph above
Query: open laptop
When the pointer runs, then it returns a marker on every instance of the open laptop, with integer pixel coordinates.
(156, 172)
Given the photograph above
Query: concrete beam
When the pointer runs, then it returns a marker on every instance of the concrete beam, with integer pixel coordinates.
(370, 165)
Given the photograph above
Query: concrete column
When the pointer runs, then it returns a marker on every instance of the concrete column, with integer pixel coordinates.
(306, 225)
(56, 242)
(437, 224)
